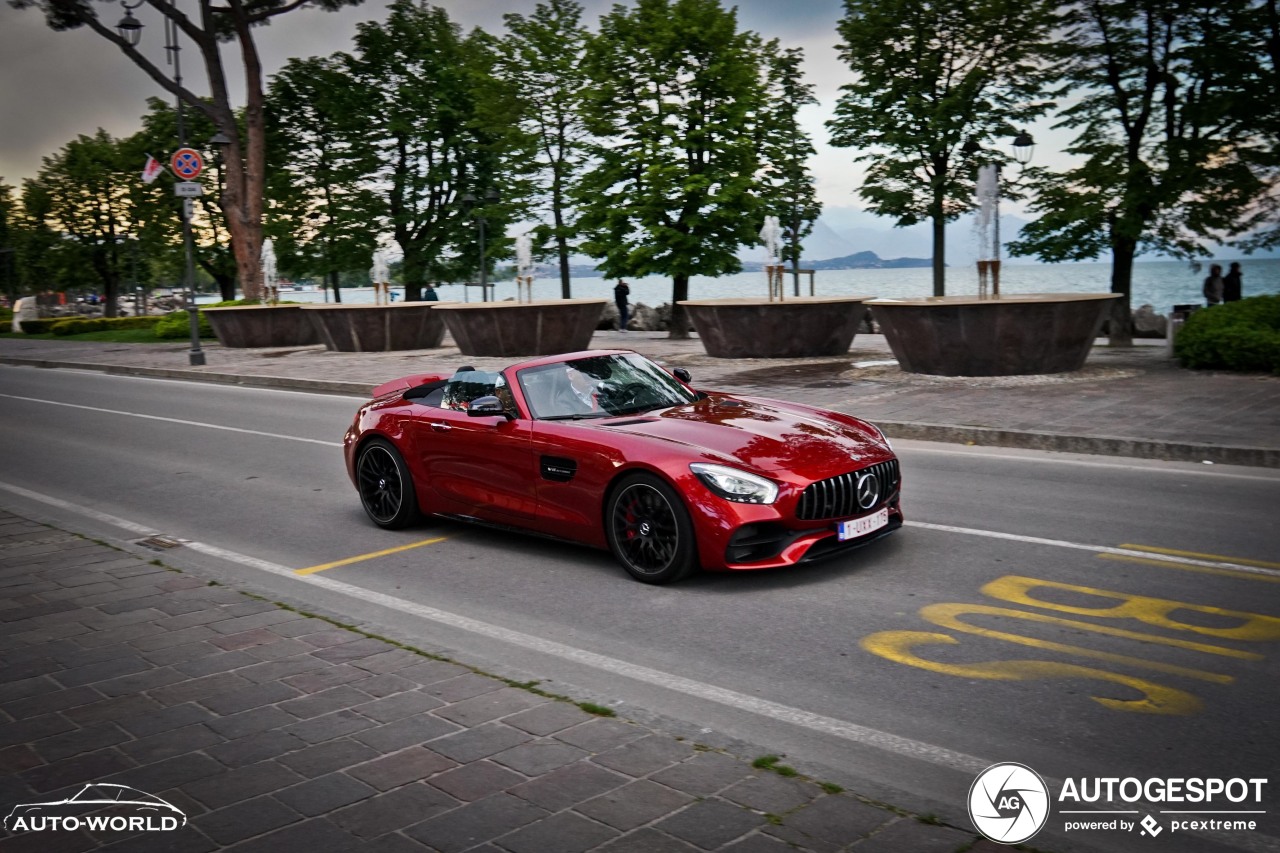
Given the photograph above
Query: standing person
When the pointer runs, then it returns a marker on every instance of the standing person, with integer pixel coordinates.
(431, 295)
(1232, 286)
(620, 294)
(1213, 285)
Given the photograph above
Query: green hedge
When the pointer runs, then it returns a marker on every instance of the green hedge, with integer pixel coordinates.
(38, 327)
(78, 326)
(1242, 335)
(177, 324)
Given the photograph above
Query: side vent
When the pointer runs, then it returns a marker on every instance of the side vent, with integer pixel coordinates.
(557, 469)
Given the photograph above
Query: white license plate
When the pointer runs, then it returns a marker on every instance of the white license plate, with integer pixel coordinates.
(856, 527)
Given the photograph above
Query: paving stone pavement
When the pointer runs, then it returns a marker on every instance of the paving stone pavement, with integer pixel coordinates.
(272, 730)
(1132, 401)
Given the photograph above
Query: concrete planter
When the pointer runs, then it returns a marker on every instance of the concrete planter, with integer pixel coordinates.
(261, 326)
(795, 328)
(529, 328)
(1027, 333)
(377, 328)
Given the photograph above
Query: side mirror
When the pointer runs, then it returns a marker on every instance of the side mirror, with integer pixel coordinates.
(486, 407)
(683, 375)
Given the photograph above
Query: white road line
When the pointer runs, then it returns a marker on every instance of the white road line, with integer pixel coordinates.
(740, 701)
(1098, 549)
(176, 421)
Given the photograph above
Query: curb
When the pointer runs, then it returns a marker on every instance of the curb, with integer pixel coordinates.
(1095, 445)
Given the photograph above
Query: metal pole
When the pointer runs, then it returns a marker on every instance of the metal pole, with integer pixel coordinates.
(484, 285)
(196, 356)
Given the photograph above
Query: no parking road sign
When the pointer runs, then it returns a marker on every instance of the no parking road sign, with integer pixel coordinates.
(187, 163)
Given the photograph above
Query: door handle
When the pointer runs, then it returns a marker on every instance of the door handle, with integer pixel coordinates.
(440, 427)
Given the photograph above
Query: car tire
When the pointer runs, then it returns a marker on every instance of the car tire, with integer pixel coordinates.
(649, 530)
(386, 486)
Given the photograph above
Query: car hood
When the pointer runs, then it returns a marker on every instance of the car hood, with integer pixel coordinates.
(762, 434)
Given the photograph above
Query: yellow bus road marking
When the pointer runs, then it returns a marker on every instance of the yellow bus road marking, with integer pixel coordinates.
(1238, 561)
(371, 556)
(1242, 574)
(948, 616)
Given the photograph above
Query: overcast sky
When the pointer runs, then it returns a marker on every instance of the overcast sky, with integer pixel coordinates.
(59, 85)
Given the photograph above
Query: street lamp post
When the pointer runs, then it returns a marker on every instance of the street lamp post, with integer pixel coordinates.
(476, 207)
(130, 29)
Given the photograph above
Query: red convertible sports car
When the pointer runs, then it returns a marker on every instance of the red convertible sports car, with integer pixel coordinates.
(609, 449)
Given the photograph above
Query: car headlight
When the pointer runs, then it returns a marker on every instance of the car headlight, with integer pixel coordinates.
(734, 485)
(884, 438)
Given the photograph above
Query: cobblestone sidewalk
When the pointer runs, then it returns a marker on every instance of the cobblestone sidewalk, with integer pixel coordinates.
(276, 731)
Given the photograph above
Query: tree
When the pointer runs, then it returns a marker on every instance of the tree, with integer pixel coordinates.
(1176, 134)
(9, 236)
(82, 195)
(674, 98)
(788, 185)
(245, 155)
(432, 121)
(542, 59)
(322, 209)
(931, 76)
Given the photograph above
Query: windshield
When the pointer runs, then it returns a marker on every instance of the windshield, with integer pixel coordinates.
(600, 387)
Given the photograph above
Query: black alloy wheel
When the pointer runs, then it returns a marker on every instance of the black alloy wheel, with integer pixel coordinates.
(385, 485)
(649, 530)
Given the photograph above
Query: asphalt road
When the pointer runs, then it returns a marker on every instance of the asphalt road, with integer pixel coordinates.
(1084, 616)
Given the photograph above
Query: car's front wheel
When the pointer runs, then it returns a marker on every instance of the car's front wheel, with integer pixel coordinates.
(385, 485)
(649, 530)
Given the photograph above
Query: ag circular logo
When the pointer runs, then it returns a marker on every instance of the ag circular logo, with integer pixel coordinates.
(1009, 803)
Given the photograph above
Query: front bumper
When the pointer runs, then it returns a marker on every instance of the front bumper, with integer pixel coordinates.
(743, 537)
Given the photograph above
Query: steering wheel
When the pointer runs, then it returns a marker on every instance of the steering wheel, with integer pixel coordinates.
(631, 394)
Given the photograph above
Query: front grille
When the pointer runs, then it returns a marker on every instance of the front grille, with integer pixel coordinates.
(838, 496)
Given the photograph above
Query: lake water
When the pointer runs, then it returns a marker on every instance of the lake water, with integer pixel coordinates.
(1160, 284)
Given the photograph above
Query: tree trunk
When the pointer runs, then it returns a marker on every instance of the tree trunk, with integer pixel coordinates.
(226, 286)
(562, 249)
(1123, 250)
(414, 275)
(939, 255)
(679, 323)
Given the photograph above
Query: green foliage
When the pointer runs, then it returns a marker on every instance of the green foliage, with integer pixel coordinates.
(541, 60)
(435, 123)
(787, 185)
(176, 325)
(38, 327)
(931, 76)
(6, 318)
(81, 325)
(1176, 135)
(81, 197)
(770, 762)
(675, 94)
(1242, 335)
(321, 219)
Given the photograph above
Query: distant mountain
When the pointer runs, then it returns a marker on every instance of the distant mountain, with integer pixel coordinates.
(855, 261)
(867, 261)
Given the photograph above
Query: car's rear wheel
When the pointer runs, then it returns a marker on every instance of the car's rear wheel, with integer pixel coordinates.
(649, 530)
(385, 485)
